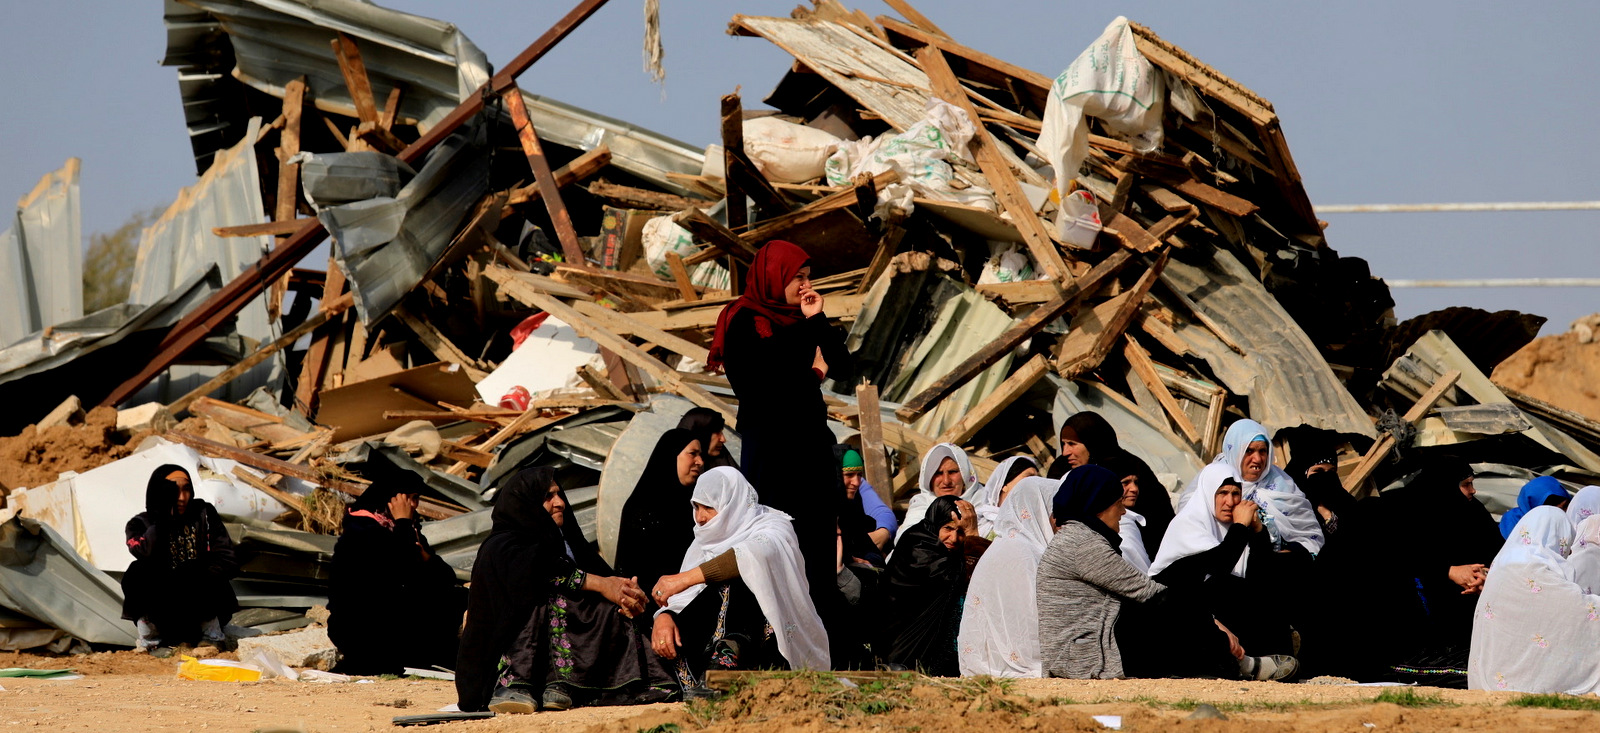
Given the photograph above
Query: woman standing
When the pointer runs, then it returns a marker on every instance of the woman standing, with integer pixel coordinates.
(655, 530)
(777, 347)
(176, 591)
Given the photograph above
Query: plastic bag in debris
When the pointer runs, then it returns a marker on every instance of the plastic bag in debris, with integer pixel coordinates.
(921, 155)
(268, 662)
(661, 236)
(1113, 82)
(1078, 219)
(786, 152)
(1008, 263)
(217, 670)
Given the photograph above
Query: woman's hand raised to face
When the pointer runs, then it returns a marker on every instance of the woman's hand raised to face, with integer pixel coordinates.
(810, 302)
(399, 507)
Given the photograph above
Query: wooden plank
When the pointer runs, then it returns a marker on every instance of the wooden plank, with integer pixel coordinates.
(615, 321)
(316, 358)
(1165, 198)
(245, 420)
(995, 402)
(1216, 197)
(713, 233)
(1013, 337)
(355, 78)
(285, 498)
(275, 228)
(338, 134)
(1130, 234)
(872, 450)
(438, 343)
(470, 456)
(1171, 223)
(1038, 84)
(1163, 333)
(617, 344)
(1139, 359)
(379, 137)
(1213, 444)
(600, 384)
(680, 275)
(1008, 193)
(1094, 333)
(1020, 293)
(288, 195)
(544, 177)
(732, 126)
(331, 308)
(629, 197)
(1355, 483)
(903, 7)
(391, 107)
(581, 168)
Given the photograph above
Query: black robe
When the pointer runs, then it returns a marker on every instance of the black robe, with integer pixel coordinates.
(179, 577)
(783, 422)
(705, 422)
(924, 588)
(389, 608)
(657, 520)
(1208, 579)
(529, 621)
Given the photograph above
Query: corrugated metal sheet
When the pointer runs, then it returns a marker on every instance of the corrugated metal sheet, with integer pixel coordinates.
(852, 63)
(180, 244)
(268, 43)
(1292, 384)
(41, 258)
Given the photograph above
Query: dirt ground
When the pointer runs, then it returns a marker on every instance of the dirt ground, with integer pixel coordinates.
(126, 691)
(1557, 369)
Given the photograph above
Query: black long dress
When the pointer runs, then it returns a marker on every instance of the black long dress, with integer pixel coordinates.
(657, 521)
(179, 577)
(783, 421)
(393, 603)
(924, 588)
(530, 623)
(1241, 604)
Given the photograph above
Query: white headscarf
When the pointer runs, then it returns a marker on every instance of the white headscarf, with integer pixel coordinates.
(1196, 529)
(1291, 517)
(1535, 630)
(1000, 622)
(1585, 557)
(764, 544)
(930, 463)
(988, 503)
(1584, 504)
(1130, 528)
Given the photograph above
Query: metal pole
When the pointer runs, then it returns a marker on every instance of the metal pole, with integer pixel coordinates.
(1505, 206)
(1501, 282)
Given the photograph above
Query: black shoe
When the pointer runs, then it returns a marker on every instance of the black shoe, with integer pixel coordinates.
(511, 700)
(657, 694)
(555, 698)
(701, 692)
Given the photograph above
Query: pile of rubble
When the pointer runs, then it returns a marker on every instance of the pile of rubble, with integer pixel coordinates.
(517, 282)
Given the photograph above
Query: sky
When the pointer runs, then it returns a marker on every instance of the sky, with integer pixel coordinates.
(1380, 102)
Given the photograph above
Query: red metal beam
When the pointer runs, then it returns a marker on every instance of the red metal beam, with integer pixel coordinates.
(232, 298)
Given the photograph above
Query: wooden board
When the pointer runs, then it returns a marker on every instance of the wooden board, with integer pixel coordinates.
(356, 410)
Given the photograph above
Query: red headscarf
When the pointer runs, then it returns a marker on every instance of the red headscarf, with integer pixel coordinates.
(775, 265)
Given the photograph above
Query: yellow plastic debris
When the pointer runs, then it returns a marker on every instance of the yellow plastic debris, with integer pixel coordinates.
(216, 670)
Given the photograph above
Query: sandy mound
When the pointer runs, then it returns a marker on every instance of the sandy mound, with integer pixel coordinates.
(34, 457)
(1560, 370)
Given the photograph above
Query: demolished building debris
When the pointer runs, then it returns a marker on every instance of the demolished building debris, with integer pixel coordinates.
(484, 311)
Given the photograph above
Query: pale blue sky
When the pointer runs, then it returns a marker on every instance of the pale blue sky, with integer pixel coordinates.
(1381, 102)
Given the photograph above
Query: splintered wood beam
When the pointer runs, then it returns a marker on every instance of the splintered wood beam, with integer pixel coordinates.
(1356, 482)
(1219, 401)
(1145, 368)
(600, 384)
(713, 233)
(733, 140)
(328, 310)
(580, 168)
(391, 108)
(917, 19)
(436, 342)
(275, 228)
(630, 197)
(1013, 337)
(1095, 332)
(316, 358)
(1130, 234)
(544, 177)
(344, 142)
(872, 452)
(355, 78)
(997, 401)
(680, 275)
(888, 242)
(288, 195)
(1007, 191)
(620, 323)
(1205, 320)
(587, 328)
(379, 137)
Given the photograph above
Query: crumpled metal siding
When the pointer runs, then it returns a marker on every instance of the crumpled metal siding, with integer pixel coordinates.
(180, 244)
(41, 258)
(1292, 384)
(42, 577)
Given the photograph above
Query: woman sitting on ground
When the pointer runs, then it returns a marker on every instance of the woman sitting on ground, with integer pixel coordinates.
(1131, 527)
(742, 588)
(1087, 438)
(382, 563)
(176, 591)
(1211, 551)
(994, 493)
(1290, 520)
(708, 426)
(1000, 621)
(654, 530)
(924, 587)
(1535, 629)
(946, 471)
(853, 472)
(1542, 491)
(548, 624)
